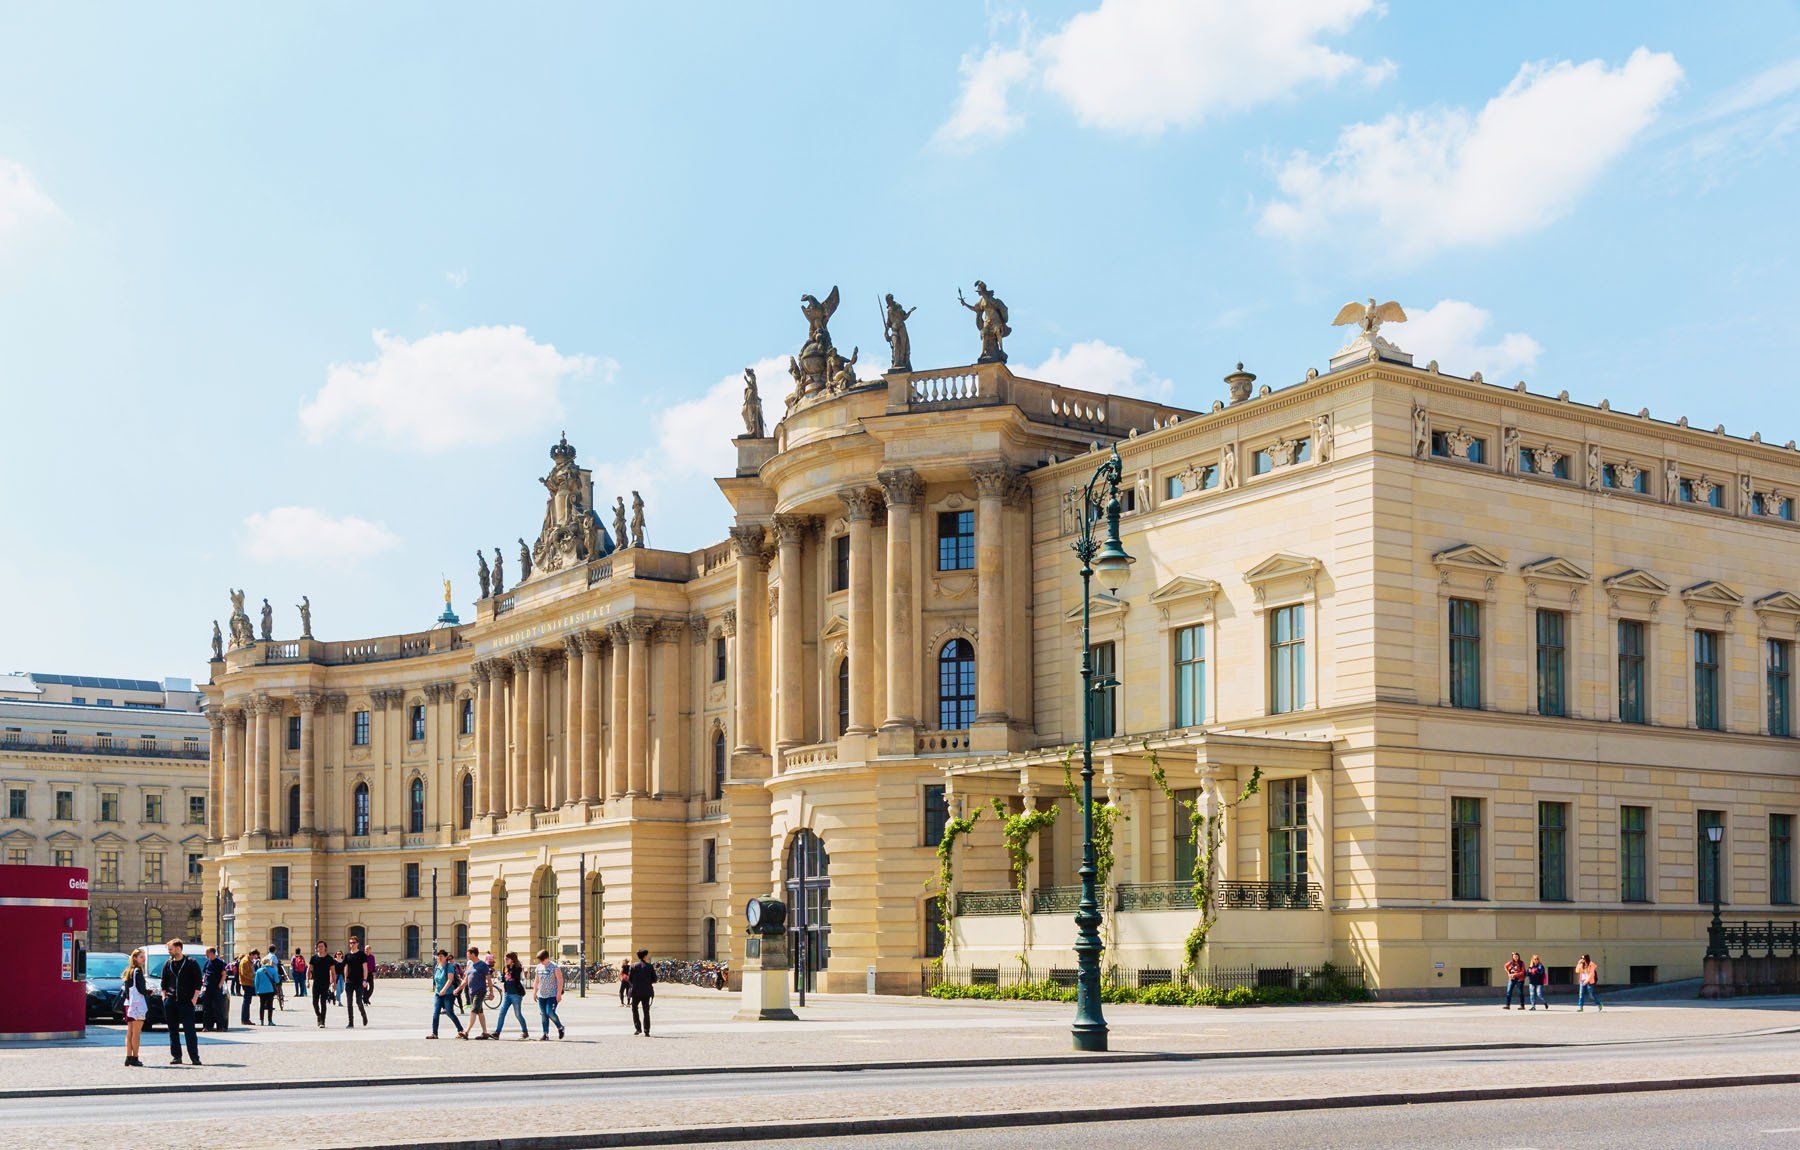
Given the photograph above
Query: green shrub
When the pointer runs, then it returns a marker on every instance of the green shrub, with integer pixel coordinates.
(1320, 990)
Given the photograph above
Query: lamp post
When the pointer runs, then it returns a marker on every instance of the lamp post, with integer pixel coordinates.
(1715, 933)
(1110, 562)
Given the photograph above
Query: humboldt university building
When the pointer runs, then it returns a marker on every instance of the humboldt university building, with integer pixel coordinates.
(1498, 661)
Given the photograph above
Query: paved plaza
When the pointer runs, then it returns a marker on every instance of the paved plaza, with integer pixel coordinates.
(850, 1058)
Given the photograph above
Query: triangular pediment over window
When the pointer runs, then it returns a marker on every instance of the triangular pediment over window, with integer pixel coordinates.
(194, 840)
(1779, 602)
(1184, 587)
(1639, 582)
(18, 835)
(65, 837)
(1556, 567)
(1470, 555)
(152, 840)
(1101, 606)
(1281, 565)
(835, 629)
(1712, 591)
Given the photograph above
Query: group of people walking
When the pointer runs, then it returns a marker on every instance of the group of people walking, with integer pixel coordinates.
(1529, 980)
(471, 982)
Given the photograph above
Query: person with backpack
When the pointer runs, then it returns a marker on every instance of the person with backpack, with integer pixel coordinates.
(1537, 977)
(512, 996)
(640, 976)
(268, 984)
(446, 980)
(299, 972)
(246, 983)
(548, 980)
(1587, 983)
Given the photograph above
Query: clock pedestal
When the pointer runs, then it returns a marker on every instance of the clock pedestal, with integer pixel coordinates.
(766, 976)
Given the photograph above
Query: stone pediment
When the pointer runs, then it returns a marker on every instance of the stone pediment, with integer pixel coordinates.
(194, 839)
(1714, 592)
(66, 837)
(1472, 556)
(19, 834)
(1281, 565)
(1637, 582)
(1183, 588)
(835, 628)
(109, 838)
(1557, 568)
(152, 840)
(1103, 605)
(1779, 603)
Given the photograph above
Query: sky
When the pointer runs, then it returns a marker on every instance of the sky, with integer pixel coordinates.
(295, 298)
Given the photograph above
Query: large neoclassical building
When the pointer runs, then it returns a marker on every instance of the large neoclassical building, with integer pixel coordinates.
(1499, 659)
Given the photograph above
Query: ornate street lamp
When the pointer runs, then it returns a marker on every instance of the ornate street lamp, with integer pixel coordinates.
(1112, 564)
(1715, 934)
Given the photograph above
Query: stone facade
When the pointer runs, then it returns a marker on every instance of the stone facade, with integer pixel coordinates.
(638, 739)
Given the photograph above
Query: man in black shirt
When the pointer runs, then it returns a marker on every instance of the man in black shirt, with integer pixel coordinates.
(180, 995)
(323, 972)
(214, 1013)
(641, 977)
(356, 978)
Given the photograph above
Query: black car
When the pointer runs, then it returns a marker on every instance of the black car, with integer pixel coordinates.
(106, 985)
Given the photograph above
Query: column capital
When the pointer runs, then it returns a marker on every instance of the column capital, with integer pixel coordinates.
(728, 621)
(337, 702)
(593, 642)
(670, 630)
(1018, 491)
(265, 705)
(991, 478)
(902, 486)
(639, 628)
(859, 504)
(519, 660)
(216, 720)
(387, 697)
(791, 530)
(478, 671)
(308, 701)
(748, 538)
(573, 645)
(442, 692)
(698, 628)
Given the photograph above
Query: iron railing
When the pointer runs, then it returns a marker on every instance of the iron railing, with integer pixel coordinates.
(1058, 899)
(1229, 894)
(102, 745)
(1156, 896)
(1746, 939)
(978, 902)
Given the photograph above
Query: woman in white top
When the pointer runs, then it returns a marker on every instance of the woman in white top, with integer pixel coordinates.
(137, 1005)
(548, 980)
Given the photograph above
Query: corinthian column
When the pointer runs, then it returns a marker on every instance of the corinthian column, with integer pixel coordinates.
(261, 709)
(499, 674)
(479, 673)
(665, 778)
(534, 728)
(752, 591)
(590, 791)
(638, 737)
(903, 489)
(230, 794)
(215, 773)
(790, 542)
(574, 717)
(307, 703)
(517, 724)
(990, 585)
(619, 750)
(859, 509)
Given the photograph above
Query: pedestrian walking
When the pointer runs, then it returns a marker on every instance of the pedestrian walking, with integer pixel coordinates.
(215, 1008)
(181, 995)
(337, 985)
(625, 983)
(246, 981)
(137, 1006)
(641, 977)
(323, 972)
(357, 972)
(475, 985)
(445, 983)
(1587, 983)
(268, 982)
(512, 996)
(548, 981)
(299, 971)
(1537, 977)
(1515, 981)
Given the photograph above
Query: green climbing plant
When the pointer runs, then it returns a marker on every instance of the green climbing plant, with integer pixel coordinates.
(1018, 831)
(946, 854)
(1207, 833)
(1106, 821)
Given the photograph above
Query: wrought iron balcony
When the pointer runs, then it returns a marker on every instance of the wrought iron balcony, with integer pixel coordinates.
(1156, 896)
(981, 902)
(1056, 899)
(1750, 939)
(101, 745)
(1270, 896)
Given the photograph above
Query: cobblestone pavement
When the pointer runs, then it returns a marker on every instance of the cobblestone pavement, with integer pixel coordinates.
(1639, 1040)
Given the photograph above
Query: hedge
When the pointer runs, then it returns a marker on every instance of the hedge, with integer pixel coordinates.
(1168, 994)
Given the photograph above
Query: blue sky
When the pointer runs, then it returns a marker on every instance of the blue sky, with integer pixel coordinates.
(295, 299)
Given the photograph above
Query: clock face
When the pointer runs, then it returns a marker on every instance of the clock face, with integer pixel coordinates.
(753, 911)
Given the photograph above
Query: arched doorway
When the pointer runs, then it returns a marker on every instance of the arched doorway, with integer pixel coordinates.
(809, 905)
(596, 919)
(544, 915)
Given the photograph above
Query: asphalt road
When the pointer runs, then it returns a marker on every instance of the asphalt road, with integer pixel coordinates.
(1735, 1118)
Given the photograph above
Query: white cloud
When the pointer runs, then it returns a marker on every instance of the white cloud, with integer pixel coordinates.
(1094, 365)
(1143, 66)
(1445, 177)
(1451, 332)
(306, 534)
(1757, 116)
(457, 278)
(469, 388)
(22, 202)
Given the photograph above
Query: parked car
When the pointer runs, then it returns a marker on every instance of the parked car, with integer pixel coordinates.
(155, 958)
(106, 985)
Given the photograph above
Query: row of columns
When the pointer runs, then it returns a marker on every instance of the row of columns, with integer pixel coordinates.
(246, 758)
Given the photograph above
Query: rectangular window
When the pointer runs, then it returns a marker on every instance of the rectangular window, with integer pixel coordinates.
(153, 808)
(1553, 852)
(1634, 863)
(1105, 703)
(359, 881)
(1465, 848)
(1458, 445)
(109, 806)
(459, 878)
(1190, 676)
(1558, 464)
(278, 883)
(1287, 659)
(412, 880)
(62, 856)
(719, 660)
(65, 805)
(293, 732)
(15, 803)
(956, 540)
(1703, 492)
(1781, 860)
(709, 860)
(194, 866)
(1711, 861)
(18, 856)
(1632, 707)
(466, 718)
(840, 563)
(196, 809)
(1706, 680)
(934, 928)
(1780, 661)
(1465, 654)
(153, 869)
(1552, 662)
(1287, 831)
(417, 733)
(937, 812)
(1183, 823)
(359, 730)
(109, 868)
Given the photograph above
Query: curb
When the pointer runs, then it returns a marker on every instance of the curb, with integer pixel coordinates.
(929, 1123)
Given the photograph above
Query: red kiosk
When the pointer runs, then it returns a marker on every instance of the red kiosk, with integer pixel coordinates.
(44, 919)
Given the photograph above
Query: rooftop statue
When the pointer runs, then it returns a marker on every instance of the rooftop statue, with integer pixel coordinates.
(524, 559)
(990, 320)
(218, 641)
(637, 520)
(753, 414)
(842, 372)
(570, 533)
(619, 521)
(811, 368)
(268, 622)
(482, 575)
(499, 573)
(1368, 319)
(893, 329)
(241, 633)
(305, 609)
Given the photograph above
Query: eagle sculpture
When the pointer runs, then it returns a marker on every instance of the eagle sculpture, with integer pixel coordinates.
(1369, 317)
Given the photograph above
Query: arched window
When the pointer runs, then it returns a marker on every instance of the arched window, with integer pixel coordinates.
(709, 939)
(467, 814)
(361, 935)
(548, 914)
(293, 809)
(843, 696)
(415, 808)
(719, 761)
(153, 925)
(956, 685)
(412, 943)
(278, 942)
(359, 819)
(106, 927)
